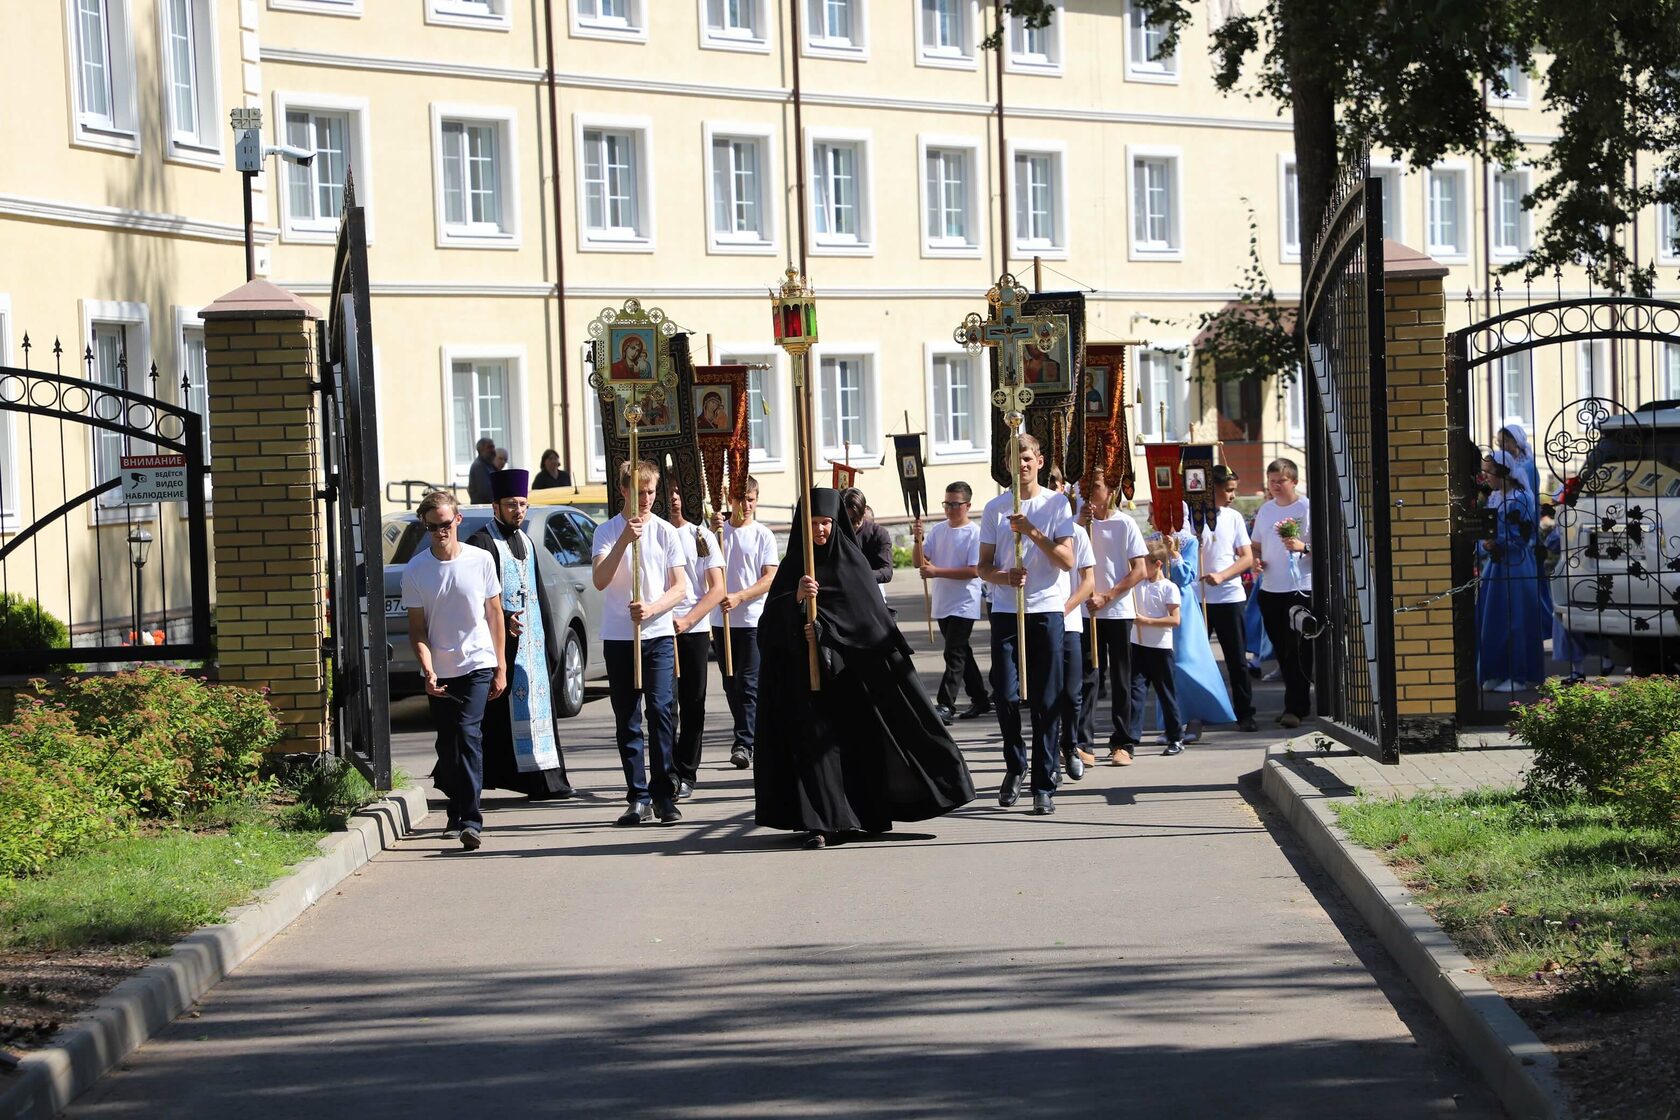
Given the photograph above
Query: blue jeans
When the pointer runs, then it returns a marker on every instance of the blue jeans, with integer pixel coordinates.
(741, 687)
(1153, 666)
(1006, 689)
(459, 719)
(649, 779)
(1044, 690)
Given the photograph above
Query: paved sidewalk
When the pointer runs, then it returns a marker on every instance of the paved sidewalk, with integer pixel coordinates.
(1161, 947)
(1340, 770)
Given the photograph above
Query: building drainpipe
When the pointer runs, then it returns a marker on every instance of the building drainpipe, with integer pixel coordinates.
(559, 256)
(798, 138)
(1003, 151)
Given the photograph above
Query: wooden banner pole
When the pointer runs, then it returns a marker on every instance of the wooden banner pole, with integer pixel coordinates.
(633, 416)
(802, 394)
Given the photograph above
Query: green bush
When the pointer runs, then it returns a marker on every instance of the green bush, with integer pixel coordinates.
(52, 808)
(327, 790)
(25, 626)
(1610, 744)
(901, 557)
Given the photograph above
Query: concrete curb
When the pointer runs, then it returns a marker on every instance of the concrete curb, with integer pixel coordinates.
(49, 1079)
(1519, 1068)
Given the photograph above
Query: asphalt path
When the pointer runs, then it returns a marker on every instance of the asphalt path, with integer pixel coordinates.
(1160, 947)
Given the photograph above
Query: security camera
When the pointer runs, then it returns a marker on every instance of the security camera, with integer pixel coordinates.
(302, 156)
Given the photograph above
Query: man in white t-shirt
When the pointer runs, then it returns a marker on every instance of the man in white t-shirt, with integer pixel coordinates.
(949, 559)
(455, 626)
(1282, 543)
(1079, 676)
(664, 584)
(691, 622)
(1046, 530)
(750, 561)
(1226, 555)
(1118, 546)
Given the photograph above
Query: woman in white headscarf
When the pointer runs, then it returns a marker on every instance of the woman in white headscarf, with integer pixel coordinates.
(1508, 606)
(1513, 440)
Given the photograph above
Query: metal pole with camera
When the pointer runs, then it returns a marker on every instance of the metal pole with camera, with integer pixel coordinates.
(248, 155)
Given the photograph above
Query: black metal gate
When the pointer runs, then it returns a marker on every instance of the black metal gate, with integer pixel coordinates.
(1347, 465)
(141, 457)
(356, 651)
(1572, 568)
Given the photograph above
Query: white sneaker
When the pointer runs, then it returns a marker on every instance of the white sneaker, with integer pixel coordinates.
(1274, 675)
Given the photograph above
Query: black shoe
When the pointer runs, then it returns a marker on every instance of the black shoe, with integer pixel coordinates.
(685, 790)
(1010, 792)
(741, 757)
(470, 839)
(667, 812)
(639, 813)
(1043, 804)
(1102, 692)
(1247, 724)
(1173, 749)
(947, 716)
(978, 708)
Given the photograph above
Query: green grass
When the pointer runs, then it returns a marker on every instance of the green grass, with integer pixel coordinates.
(146, 890)
(1518, 886)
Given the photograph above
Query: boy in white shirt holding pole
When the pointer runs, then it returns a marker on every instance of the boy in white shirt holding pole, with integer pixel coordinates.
(1118, 545)
(749, 564)
(950, 560)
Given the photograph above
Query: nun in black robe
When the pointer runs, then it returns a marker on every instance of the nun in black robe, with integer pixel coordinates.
(543, 775)
(868, 748)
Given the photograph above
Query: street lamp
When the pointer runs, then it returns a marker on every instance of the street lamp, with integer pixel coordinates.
(139, 547)
(793, 310)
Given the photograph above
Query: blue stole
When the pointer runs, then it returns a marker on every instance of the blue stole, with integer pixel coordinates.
(530, 703)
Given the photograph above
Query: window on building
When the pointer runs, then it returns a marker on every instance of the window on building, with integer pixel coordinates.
(1036, 48)
(491, 14)
(1514, 385)
(763, 405)
(1290, 205)
(478, 409)
(609, 19)
(315, 194)
(1391, 178)
(1161, 381)
(1038, 202)
(949, 190)
(1510, 220)
(740, 210)
(847, 405)
(1447, 201)
(1515, 81)
(839, 213)
(1295, 408)
(735, 24)
(1155, 224)
(1595, 374)
(947, 37)
(1671, 371)
(472, 192)
(613, 184)
(1144, 57)
(111, 369)
(103, 73)
(960, 412)
(189, 48)
(1668, 231)
(835, 25)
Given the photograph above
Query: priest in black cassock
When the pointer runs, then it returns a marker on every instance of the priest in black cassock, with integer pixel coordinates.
(521, 738)
(867, 749)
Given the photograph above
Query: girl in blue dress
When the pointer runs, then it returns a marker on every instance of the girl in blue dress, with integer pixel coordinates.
(1508, 601)
(1513, 440)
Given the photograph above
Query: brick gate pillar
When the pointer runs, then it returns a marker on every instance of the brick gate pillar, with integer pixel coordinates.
(1415, 309)
(259, 343)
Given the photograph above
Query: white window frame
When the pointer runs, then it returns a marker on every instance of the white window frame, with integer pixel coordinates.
(471, 14)
(1049, 64)
(1147, 415)
(610, 241)
(202, 145)
(506, 121)
(945, 58)
(774, 458)
(855, 49)
(594, 442)
(10, 514)
(870, 356)
(1294, 392)
(349, 8)
(978, 449)
(1516, 368)
(1668, 373)
(719, 241)
(1393, 176)
(118, 130)
(1140, 69)
(719, 39)
(844, 245)
(1173, 248)
(1055, 248)
(1441, 252)
(1594, 370)
(633, 28)
(1518, 98)
(1289, 209)
(1500, 250)
(324, 231)
(518, 445)
(972, 246)
(187, 319)
(1668, 217)
(136, 318)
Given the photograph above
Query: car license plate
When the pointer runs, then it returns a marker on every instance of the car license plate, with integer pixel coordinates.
(393, 605)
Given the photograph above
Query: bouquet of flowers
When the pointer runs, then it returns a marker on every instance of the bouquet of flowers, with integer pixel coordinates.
(1289, 529)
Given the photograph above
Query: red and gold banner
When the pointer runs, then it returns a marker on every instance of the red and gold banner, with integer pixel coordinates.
(720, 427)
(1166, 486)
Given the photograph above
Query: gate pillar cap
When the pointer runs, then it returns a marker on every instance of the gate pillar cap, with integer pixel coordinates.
(259, 299)
(1413, 264)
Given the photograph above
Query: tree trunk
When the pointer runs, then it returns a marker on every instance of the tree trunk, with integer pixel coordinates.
(1313, 107)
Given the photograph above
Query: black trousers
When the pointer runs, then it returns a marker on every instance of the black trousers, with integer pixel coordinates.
(1114, 640)
(1294, 655)
(1079, 691)
(1153, 666)
(1230, 627)
(960, 666)
(694, 649)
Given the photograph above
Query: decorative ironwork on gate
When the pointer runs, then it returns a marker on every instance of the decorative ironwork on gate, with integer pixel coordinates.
(88, 554)
(1593, 387)
(356, 650)
(1347, 464)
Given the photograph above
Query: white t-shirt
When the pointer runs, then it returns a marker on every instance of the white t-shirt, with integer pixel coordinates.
(1155, 598)
(1050, 513)
(1083, 557)
(661, 551)
(453, 594)
(1117, 541)
(959, 547)
(696, 565)
(1224, 534)
(747, 551)
(1277, 575)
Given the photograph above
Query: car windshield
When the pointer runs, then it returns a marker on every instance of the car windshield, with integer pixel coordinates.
(1635, 461)
(413, 537)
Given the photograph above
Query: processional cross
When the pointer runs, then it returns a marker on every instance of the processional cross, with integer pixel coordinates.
(1008, 330)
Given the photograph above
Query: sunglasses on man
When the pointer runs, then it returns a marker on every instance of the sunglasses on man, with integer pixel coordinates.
(437, 526)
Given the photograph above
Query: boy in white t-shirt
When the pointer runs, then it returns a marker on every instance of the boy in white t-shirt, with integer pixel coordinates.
(664, 584)
(1157, 602)
(1079, 676)
(454, 598)
(1118, 546)
(750, 560)
(691, 622)
(1046, 530)
(1226, 555)
(1282, 543)
(949, 559)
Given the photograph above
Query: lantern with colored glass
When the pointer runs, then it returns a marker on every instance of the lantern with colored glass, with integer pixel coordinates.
(794, 314)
